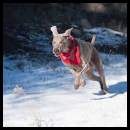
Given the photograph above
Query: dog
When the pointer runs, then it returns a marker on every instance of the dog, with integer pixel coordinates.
(75, 54)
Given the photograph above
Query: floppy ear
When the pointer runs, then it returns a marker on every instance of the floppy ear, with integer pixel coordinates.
(68, 32)
(54, 30)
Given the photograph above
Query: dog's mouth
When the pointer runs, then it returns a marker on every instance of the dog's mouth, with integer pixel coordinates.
(57, 53)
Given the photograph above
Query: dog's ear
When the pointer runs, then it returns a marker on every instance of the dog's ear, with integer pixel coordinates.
(68, 32)
(54, 30)
(93, 39)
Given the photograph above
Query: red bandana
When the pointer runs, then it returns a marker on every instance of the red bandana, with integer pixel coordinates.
(73, 54)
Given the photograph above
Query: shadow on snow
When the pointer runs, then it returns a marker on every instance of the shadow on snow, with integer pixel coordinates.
(115, 89)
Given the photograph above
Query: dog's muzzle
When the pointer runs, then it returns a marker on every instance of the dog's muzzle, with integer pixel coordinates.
(56, 52)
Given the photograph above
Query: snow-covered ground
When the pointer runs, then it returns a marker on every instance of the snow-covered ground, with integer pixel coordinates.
(47, 96)
(107, 36)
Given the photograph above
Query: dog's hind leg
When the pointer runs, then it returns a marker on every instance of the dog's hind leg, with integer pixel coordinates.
(99, 68)
(93, 77)
(102, 77)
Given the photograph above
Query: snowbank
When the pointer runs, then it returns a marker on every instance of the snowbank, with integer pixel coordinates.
(38, 43)
(107, 36)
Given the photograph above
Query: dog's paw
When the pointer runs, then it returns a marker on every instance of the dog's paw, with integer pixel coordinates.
(103, 92)
(76, 86)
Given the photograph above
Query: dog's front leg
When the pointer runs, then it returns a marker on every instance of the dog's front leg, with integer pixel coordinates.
(82, 82)
(79, 81)
(77, 78)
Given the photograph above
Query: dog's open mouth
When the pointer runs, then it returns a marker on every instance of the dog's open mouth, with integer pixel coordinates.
(56, 54)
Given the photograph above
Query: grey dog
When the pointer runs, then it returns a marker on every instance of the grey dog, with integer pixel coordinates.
(88, 55)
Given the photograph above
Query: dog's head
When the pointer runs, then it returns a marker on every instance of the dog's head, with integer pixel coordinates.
(60, 42)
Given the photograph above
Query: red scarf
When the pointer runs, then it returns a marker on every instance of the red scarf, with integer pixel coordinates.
(73, 54)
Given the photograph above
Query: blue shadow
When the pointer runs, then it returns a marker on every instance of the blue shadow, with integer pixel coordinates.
(118, 88)
(115, 90)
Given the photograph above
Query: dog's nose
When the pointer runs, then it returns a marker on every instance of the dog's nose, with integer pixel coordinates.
(56, 51)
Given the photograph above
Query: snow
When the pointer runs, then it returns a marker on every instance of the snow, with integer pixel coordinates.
(106, 36)
(48, 97)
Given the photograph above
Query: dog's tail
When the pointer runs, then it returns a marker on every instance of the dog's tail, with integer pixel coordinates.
(93, 39)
